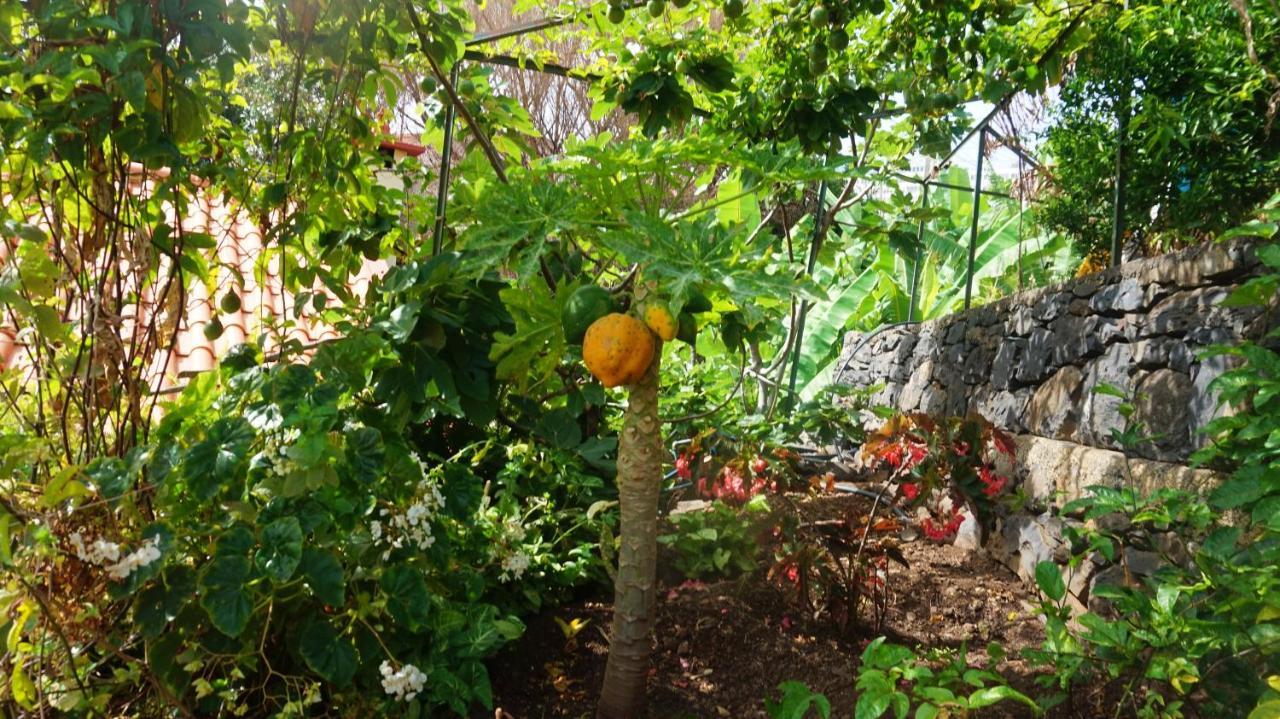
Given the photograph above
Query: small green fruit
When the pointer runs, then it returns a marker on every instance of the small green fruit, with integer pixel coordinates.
(616, 14)
(213, 329)
(838, 40)
(230, 303)
(819, 16)
(657, 7)
(688, 332)
(733, 9)
(679, 3)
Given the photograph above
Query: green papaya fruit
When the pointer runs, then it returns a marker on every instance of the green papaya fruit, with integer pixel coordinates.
(586, 305)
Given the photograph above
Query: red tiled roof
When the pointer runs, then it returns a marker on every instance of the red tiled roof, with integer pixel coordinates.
(267, 308)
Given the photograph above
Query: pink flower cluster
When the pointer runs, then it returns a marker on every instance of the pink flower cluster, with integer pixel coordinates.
(731, 486)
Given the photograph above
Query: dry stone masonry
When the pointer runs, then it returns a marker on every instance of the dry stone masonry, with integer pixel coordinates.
(1031, 362)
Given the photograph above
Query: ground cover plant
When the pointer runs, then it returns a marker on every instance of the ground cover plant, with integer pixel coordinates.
(353, 520)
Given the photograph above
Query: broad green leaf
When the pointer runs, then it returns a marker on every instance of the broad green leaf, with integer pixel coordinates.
(211, 464)
(281, 549)
(1049, 580)
(323, 574)
(993, 695)
(328, 653)
(21, 688)
(408, 600)
(224, 596)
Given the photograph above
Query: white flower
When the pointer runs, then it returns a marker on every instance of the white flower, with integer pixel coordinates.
(375, 530)
(404, 683)
(107, 554)
(513, 567)
(144, 555)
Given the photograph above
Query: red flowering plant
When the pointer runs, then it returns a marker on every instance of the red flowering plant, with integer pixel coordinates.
(941, 467)
(720, 468)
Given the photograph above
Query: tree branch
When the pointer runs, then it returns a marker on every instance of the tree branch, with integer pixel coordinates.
(485, 143)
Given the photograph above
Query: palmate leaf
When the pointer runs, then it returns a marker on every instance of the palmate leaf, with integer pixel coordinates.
(530, 354)
(323, 574)
(514, 223)
(700, 252)
(408, 601)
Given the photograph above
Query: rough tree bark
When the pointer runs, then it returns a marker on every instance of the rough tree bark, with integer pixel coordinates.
(639, 482)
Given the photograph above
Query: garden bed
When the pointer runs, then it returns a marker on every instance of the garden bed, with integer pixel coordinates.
(721, 648)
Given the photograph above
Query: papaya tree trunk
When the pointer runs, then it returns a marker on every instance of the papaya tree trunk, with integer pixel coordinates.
(634, 590)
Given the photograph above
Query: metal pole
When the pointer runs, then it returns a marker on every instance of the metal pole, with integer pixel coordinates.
(446, 160)
(814, 248)
(915, 270)
(973, 226)
(1122, 138)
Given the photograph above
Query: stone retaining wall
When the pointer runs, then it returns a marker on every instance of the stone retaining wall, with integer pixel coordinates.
(1031, 362)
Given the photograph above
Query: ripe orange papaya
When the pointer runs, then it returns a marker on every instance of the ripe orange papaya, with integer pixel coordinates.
(659, 319)
(617, 349)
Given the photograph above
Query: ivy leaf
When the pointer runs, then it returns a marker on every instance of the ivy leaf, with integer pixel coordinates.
(211, 464)
(327, 654)
(224, 596)
(408, 601)
(281, 549)
(323, 574)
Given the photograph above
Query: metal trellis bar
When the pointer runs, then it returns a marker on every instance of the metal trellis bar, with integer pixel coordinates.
(973, 226)
(915, 268)
(446, 162)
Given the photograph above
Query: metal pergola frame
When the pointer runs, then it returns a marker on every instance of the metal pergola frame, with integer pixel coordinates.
(981, 129)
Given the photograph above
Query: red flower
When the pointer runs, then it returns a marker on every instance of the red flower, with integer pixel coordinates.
(910, 490)
(683, 466)
(944, 532)
(759, 465)
(793, 574)
(1003, 442)
(992, 484)
(962, 448)
(916, 452)
(892, 455)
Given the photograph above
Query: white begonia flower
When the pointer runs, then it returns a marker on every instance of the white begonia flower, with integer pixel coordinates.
(404, 683)
(513, 566)
(107, 554)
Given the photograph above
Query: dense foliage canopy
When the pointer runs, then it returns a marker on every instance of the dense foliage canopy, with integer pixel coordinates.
(356, 523)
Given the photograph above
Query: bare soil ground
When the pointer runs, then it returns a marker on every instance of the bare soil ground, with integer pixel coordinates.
(720, 649)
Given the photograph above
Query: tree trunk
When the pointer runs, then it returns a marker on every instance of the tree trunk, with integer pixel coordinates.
(639, 483)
